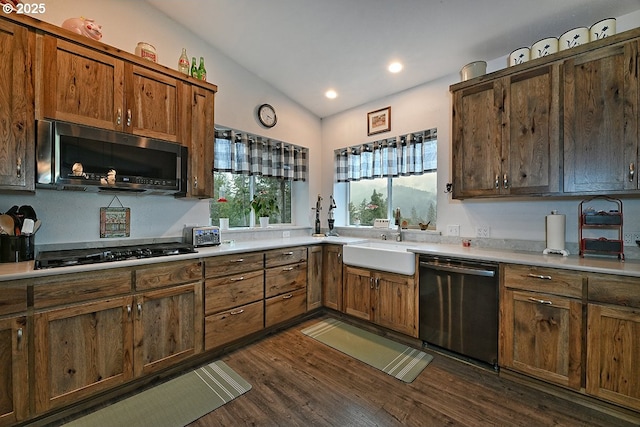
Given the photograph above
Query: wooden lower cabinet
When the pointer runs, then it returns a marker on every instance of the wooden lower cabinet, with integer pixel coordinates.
(284, 307)
(81, 350)
(387, 299)
(14, 385)
(229, 325)
(167, 327)
(542, 336)
(314, 277)
(613, 354)
(332, 277)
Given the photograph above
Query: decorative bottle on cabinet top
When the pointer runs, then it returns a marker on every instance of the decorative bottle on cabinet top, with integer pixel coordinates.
(202, 72)
(183, 62)
(194, 68)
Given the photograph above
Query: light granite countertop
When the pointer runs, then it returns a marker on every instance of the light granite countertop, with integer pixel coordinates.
(595, 264)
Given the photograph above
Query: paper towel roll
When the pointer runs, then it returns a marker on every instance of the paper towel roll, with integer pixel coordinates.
(555, 225)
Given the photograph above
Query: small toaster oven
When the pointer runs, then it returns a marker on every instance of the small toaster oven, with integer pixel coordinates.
(207, 235)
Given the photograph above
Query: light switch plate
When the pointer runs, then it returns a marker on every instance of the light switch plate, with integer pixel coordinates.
(453, 230)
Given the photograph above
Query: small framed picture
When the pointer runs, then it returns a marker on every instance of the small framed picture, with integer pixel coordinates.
(379, 121)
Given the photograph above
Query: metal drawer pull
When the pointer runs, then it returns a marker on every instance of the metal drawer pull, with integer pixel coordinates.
(129, 310)
(632, 171)
(233, 313)
(287, 296)
(539, 276)
(505, 181)
(237, 260)
(237, 279)
(540, 301)
(129, 117)
(287, 269)
(119, 117)
(19, 338)
(139, 309)
(19, 167)
(287, 253)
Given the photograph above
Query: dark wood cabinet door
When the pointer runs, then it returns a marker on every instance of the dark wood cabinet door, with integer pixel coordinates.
(531, 143)
(358, 286)
(17, 157)
(542, 336)
(14, 389)
(396, 303)
(477, 140)
(332, 277)
(601, 120)
(314, 277)
(201, 143)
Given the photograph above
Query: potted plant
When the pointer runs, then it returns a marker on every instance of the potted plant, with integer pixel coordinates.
(264, 205)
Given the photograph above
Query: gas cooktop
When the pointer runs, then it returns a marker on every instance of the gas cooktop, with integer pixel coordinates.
(69, 257)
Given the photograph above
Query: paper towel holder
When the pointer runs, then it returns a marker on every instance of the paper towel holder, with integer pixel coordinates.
(547, 251)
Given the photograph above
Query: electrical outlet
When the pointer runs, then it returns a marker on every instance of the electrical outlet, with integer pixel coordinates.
(286, 234)
(483, 231)
(453, 230)
(635, 237)
(628, 238)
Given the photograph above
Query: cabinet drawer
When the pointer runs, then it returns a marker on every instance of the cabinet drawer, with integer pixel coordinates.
(13, 298)
(231, 264)
(284, 307)
(73, 288)
(612, 289)
(171, 273)
(232, 291)
(233, 324)
(548, 280)
(286, 278)
(285, 256)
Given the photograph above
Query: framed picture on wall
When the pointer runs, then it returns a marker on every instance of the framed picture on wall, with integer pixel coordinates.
(379, 121)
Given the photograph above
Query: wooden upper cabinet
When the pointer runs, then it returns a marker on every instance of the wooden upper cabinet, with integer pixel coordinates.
(82, 85)
(86, 86)
(200, 141)
(601, 120)
(506, 135)
(17, 157)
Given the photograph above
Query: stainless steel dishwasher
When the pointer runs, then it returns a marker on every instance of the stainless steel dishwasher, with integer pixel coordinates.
(459, 307)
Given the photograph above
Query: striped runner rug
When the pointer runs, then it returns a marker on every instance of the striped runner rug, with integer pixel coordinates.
(398, 360)
(174, 403)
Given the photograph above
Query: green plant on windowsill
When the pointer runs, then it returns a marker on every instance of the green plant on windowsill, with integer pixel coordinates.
(264, 204)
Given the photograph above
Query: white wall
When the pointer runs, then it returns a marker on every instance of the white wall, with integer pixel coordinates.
(429, 106)
(74, 217)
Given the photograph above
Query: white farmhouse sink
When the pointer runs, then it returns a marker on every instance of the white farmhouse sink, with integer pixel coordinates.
(391, 257)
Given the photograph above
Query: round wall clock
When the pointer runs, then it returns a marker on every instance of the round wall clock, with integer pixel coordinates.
(267, 115)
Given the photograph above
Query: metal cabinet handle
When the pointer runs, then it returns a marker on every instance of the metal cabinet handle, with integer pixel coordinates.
(287, 253)
(236, 279)
(539, 276)
(497, 183)
(339, 255)
(237, 260)
(541, 301)
(287, 296)
(119, 117)
(632, 171)
(371, 282)
(139, 309)
(233, 313)
(287, 269)
(377, 283)
(128, 310)
(505, 181)
(19, 337)
(19, 167)
(128, 116)
(195, 182)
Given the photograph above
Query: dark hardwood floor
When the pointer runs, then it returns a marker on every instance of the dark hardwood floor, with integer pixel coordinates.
(298, 381)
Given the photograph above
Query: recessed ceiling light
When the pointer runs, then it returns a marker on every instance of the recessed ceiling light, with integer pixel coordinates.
(395, 67)
(331, 94)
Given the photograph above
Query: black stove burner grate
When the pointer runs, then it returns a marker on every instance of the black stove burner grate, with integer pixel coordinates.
(69, 257)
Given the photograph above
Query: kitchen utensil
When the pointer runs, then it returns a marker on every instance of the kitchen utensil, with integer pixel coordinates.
(7, 225)
(27, 226)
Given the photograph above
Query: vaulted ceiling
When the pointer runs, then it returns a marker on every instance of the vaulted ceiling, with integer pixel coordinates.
(305, 47)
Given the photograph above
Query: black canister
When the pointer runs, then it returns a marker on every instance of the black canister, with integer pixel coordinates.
(17, 248)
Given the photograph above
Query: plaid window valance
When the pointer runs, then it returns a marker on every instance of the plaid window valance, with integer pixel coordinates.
(242, 153)
(411, 154)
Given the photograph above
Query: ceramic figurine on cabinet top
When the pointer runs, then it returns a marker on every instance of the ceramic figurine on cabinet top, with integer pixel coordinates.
(84, 26)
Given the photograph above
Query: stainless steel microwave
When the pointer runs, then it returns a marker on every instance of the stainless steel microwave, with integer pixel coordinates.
(83, 158)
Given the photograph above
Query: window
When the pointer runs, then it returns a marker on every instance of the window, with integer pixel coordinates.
(233, 194)
(416, 196)
(246, 164)
(393, 173)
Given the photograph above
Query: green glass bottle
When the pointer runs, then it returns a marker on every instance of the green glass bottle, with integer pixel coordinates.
(202, 72)
(194, 68)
